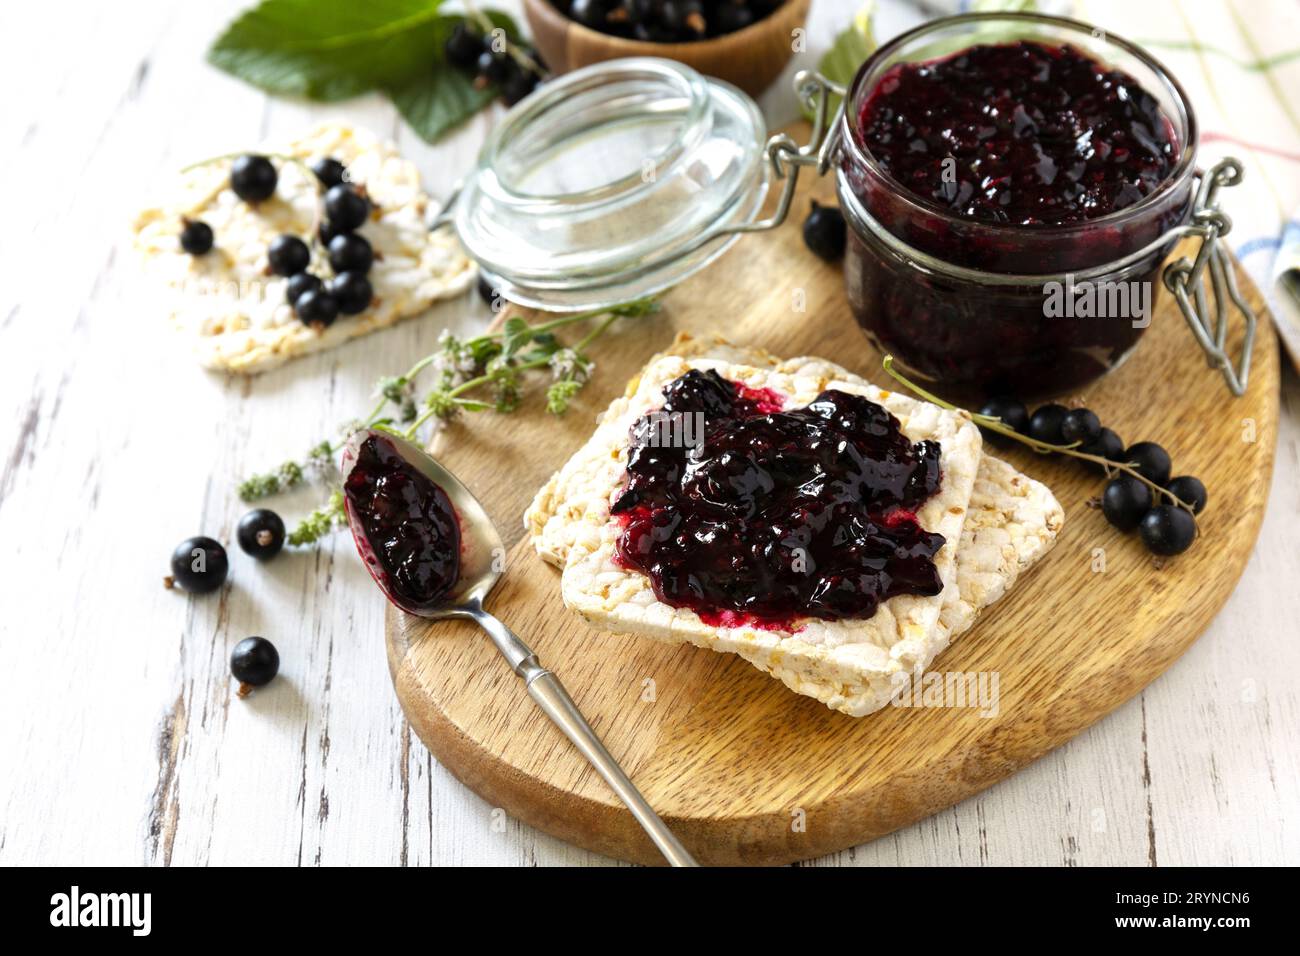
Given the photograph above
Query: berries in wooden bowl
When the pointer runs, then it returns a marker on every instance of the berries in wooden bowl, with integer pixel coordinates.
(745, 42)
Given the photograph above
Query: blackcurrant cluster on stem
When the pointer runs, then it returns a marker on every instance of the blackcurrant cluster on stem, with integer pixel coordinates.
(1139, 492)
(476, 48)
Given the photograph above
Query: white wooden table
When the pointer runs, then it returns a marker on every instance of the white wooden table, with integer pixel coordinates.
(120, 739)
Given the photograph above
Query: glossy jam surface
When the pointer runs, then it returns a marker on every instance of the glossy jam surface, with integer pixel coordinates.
(1019, 133)
(409, 522)
(751, 515)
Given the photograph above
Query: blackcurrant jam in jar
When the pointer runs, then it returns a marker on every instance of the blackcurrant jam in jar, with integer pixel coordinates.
(992, 169)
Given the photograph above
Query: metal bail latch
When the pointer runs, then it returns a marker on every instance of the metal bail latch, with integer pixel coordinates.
(786, 157)
(1185, 278)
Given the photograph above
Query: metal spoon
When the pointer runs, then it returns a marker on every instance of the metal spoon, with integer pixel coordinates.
(481, 554)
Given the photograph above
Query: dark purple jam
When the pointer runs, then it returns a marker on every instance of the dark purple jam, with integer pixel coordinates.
(1039, 134)
(1057, 164)
(409, 523)
(768, 516)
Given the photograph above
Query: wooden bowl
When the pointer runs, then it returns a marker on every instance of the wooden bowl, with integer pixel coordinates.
(750, 58)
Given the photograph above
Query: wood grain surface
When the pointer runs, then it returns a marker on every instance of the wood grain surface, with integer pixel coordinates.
(746, 771)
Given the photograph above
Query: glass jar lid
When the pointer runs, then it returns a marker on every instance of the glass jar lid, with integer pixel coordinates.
(613, 182)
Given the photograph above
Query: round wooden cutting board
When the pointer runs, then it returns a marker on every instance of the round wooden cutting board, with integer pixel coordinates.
(744, 770)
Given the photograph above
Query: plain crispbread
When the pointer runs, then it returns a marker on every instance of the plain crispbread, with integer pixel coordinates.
(897, 638)
(1012, 520)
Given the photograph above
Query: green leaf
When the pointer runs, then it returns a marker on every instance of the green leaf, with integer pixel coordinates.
(514, 334)
(330, 49)
(851, 48)
(438, 99)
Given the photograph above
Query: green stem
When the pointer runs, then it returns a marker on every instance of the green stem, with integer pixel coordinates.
(586, 340)
(485, 24)
(997, 425)
(595, 333)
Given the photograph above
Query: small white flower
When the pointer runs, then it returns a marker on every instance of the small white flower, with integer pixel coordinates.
(566, 363)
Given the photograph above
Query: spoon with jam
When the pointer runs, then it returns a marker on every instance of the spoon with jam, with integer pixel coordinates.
(434, 553)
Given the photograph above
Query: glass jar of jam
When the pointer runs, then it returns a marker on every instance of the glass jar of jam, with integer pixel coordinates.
(994, 171)
(1013, 183)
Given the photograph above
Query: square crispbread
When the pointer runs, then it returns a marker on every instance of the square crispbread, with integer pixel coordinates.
(234, 312)
(900, 636)
(1012, 521)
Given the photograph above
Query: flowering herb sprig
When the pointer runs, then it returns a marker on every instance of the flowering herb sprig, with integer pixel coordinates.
(321, 522)
(485, 373)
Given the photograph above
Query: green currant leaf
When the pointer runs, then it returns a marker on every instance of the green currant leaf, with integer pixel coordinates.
(331, 49)
(438, 100)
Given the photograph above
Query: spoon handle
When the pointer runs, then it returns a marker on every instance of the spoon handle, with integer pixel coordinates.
(545, 688)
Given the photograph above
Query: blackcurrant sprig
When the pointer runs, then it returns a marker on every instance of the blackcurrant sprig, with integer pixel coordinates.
(511, 69)
(1166, 532)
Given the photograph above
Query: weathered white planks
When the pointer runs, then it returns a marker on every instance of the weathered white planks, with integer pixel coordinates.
(120, 740)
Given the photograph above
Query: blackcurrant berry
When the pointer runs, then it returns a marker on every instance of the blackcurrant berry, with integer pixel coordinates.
(652, 33)
(494, 68)
(1010, 411)
(1150, 461)
(326, 232)
(345, 208)
(518, 86)
(463, 47)
(352, 291)
(196, 237)
(1167, 530)
(590, 13)
(1107, 445)
(316, 308)
(329, 171)
(288, 255)
(1191, 491)
(1045, 424)
(300, 283)
(1124, 501)
(1080, 425)
(824, 232)
(253, 178)
(351, 253)
(254, 662)
(684, 17)
(260, 533)
(730, 17)
(199, 565)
